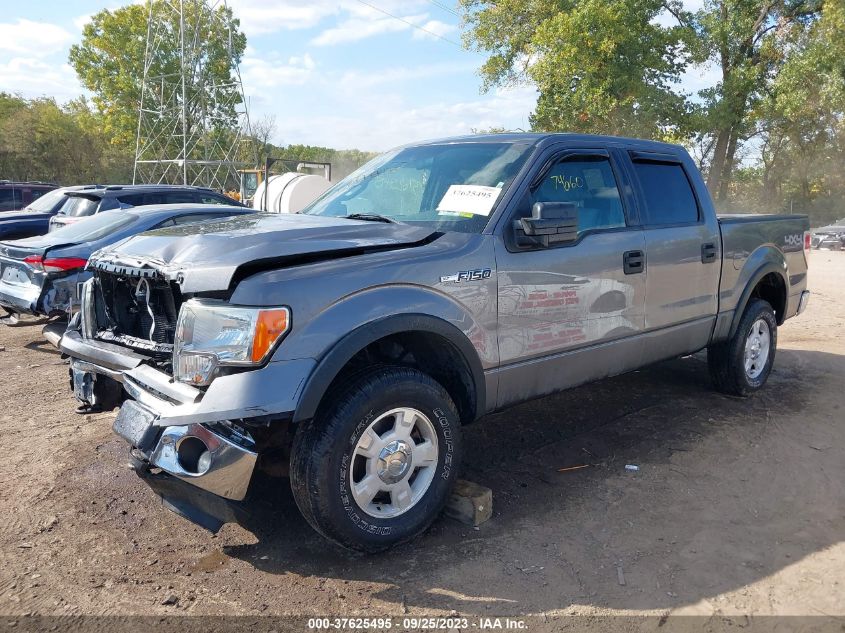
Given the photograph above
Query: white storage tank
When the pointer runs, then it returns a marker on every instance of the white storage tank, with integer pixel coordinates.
(289, 193)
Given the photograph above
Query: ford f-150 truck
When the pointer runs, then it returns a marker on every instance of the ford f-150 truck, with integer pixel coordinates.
(440, 282)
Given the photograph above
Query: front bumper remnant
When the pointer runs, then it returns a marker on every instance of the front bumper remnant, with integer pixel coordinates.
(207, 510)
(230, 461)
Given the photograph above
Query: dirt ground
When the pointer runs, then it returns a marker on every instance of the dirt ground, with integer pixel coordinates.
(738, 506)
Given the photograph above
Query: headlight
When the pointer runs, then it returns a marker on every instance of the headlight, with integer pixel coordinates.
(211, 333)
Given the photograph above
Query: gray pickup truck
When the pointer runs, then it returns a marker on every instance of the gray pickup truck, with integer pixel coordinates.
(440, 282)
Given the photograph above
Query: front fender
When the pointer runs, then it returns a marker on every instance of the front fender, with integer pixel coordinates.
(339, 332)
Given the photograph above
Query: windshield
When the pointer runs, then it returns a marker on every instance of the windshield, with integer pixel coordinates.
(92, 228)
(451, 187)
(77, 206)
(46, 202)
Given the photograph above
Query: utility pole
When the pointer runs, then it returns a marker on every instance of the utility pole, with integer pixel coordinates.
(190, 124)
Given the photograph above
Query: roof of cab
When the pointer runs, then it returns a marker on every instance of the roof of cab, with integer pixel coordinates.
(547, 138)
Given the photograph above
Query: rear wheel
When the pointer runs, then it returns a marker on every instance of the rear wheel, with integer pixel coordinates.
(741, 365)
(376, 466)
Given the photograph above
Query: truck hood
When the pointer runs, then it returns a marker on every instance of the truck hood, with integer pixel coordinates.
(213, 256)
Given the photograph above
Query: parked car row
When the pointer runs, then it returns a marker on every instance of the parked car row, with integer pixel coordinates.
(439, 283)
(45, 246)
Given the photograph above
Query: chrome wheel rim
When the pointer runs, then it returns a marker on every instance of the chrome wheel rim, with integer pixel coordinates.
(757, 347)
(393, 463)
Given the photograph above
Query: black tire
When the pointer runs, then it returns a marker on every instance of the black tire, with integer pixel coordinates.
(726, 360)
(323, 450)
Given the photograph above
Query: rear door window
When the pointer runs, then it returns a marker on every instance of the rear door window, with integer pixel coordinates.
(132, 200)
(10, 199)
(179, 197)
(667, 193)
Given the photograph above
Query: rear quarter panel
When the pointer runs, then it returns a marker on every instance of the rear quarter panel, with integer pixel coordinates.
(752, 243)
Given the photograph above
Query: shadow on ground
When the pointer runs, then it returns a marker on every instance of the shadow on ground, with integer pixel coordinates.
(729, 491)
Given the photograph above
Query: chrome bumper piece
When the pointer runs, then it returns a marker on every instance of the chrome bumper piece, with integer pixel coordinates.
(230, 458)
(802, 302)
(231, 465)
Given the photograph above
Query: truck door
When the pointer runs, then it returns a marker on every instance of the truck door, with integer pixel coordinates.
(683, 248)
(569, 313)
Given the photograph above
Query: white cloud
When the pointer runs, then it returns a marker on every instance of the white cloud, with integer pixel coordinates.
(358, 28)
(434, 29)
(36, 78)
(264, 72)
(385, 120)
(269, 16)
(37, 39)
(80, 21)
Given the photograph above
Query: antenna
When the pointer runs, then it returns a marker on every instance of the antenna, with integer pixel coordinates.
(191, 117)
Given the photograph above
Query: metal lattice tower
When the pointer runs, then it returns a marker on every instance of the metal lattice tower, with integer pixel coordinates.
(191, 121)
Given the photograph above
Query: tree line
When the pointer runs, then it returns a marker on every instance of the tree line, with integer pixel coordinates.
(70, 144)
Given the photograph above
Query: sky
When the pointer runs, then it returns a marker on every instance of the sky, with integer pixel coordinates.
(334, 73)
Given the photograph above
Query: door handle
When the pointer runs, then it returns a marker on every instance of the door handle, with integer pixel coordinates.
(708, 252)
(633, 262)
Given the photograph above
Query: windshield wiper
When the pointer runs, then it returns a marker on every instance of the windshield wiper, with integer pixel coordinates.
(371, 217)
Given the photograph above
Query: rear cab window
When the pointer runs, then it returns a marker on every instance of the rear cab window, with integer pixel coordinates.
(666, 190)
(79, 206)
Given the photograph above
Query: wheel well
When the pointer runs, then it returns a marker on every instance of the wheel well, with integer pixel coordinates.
(772, 288)
(430, 353)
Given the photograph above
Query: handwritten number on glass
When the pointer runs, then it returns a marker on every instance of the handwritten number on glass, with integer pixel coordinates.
(567, 182)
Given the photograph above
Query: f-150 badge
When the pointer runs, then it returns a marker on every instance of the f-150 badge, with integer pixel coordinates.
(466, 275)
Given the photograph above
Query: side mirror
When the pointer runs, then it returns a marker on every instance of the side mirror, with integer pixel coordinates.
(550, 223)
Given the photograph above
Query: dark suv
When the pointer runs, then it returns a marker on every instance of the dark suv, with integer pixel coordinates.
(90, 201)
(17, 195)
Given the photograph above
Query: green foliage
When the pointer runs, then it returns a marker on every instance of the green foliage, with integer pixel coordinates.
(613, 68)
(40, 140)
(603, 67)
(110, 62)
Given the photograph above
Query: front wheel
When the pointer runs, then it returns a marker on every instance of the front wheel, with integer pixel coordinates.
(376, 466)
(741, 365)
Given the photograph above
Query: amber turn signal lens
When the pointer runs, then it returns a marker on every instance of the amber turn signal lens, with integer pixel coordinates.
(270, 326)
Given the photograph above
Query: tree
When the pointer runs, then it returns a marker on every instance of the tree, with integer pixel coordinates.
(750, 41)
(110, 62)
(601, 66)
(40, 140)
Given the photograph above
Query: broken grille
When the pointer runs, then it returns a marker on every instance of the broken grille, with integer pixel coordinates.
(141, 312)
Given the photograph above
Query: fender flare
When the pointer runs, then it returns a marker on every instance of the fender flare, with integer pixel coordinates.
(332, 362)
(758, 275)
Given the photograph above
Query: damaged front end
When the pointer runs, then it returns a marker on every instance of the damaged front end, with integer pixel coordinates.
(207, 436)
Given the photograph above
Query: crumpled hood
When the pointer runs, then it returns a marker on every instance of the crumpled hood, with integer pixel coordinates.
(205, 257)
